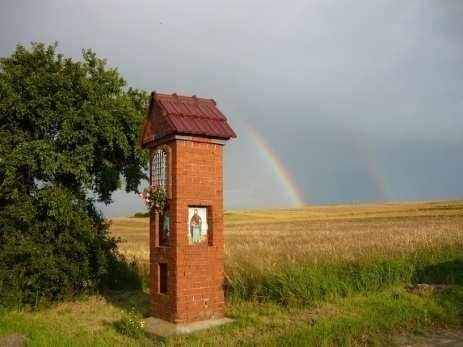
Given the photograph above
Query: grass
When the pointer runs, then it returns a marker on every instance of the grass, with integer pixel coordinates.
(85, 322)
(357, 320)
(310, 284)
(322, 276)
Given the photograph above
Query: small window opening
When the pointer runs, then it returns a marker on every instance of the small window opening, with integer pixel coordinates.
(163, 276)
(159, 169)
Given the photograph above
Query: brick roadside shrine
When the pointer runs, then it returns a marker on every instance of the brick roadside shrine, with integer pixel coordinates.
(185, 137)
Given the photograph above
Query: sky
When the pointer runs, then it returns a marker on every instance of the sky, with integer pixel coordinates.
(333, 101)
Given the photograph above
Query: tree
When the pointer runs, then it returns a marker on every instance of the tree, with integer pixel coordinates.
(68, 135)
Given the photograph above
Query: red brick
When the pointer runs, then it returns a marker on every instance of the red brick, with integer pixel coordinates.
(195, 285)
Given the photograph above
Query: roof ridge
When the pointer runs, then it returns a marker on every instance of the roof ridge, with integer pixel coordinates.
(175, 96)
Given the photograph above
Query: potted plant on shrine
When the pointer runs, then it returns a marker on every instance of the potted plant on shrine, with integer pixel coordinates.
(155, 198)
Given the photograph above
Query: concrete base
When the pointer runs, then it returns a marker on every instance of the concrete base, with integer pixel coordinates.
(162, 328)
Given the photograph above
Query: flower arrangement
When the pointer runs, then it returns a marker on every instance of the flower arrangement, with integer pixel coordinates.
(154, 197)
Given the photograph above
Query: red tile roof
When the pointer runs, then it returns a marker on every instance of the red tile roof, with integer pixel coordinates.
(192, 116)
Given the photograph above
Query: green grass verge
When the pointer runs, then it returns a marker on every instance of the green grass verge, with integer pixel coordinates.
(369, 319)
(91, 321)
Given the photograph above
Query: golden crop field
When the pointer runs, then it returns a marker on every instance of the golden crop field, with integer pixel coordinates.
(262, 238)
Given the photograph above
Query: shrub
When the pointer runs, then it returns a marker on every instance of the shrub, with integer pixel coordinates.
(68, 133)
(58, 250)
(141, 215)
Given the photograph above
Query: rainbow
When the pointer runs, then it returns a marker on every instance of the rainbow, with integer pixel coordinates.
(278, 167)
(365, 151)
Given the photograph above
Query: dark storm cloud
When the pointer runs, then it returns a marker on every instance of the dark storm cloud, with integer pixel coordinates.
(362, 100)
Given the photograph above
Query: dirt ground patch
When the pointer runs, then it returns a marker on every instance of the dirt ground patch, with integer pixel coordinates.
(13, 340)
(437, 339)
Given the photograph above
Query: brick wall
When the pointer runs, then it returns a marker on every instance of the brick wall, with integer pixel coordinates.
(195, 282)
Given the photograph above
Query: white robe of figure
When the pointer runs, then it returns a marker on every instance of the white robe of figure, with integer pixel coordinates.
(195, 229)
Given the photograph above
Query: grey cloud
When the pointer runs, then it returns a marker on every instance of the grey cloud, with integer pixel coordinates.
(361, 100)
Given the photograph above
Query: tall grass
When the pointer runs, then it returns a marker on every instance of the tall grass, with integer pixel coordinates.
(310, 284)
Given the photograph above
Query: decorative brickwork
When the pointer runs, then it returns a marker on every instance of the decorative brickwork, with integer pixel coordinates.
(192, 287)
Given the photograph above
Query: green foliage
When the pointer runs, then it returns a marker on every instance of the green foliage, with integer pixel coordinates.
(141, 215)
(68, 133)
(122, 275)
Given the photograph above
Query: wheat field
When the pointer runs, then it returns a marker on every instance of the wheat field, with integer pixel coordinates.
(260, 239)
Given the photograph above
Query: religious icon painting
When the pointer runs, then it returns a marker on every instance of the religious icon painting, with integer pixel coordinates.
(197, 225)
(164, 229)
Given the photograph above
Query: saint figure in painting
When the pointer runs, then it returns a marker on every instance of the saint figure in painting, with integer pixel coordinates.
(195, 227)
(165, 229)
